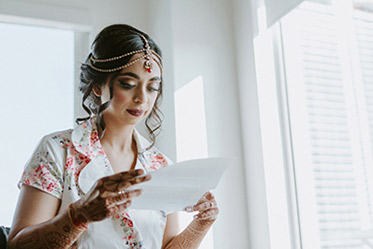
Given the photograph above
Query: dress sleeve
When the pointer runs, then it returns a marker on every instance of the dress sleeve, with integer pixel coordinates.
(44, 170)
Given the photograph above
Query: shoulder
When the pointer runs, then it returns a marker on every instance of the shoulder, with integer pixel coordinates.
(59, 136)
(57, 140)
(53, 146)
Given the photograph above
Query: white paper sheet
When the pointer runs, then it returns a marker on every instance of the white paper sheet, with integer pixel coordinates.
(180, 185)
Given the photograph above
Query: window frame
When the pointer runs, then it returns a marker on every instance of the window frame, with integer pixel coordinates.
(300, 234)
(284, 232)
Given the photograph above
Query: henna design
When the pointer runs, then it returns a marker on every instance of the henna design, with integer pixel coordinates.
(74, 246)
(110, 185)
(191, 237)
(66, 229)
(107, 197)
(56, 240)
(28, 241)
(57, 233)
(119, 182)
(206, 207)
(210, 214)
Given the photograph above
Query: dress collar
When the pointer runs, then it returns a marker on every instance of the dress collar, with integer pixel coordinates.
(86, 140)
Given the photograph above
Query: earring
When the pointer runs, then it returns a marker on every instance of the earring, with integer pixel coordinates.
(97, 91)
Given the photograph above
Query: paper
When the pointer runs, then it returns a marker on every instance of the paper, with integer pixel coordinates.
(177, 186)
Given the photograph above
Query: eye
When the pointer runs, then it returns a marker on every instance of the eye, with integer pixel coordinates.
(154, 87)
(126, 85)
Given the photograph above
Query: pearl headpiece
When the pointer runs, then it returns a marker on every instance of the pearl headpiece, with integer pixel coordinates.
(150, 56)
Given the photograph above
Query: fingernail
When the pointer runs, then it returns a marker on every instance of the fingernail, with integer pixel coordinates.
(195, 216)
(188, 209)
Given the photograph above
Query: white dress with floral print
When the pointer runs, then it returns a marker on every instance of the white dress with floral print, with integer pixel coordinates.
(66, 164)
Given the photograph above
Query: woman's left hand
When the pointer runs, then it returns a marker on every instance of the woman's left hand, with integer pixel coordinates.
(206, 206)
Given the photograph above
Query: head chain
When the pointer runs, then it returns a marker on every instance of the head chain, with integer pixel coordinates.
(149, 57)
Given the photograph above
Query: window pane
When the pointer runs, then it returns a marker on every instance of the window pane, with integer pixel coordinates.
(37, 84)
(327, 128)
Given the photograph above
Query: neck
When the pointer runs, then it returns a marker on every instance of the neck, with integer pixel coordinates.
(117, 137)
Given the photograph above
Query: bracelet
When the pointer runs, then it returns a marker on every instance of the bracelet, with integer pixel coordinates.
(79, 226)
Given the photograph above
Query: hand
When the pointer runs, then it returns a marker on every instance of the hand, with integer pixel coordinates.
(206, 206)
(107, 197)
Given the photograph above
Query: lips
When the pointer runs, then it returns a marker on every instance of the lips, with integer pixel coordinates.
(135, 112)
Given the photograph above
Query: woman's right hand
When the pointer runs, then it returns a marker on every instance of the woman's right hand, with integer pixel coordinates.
(107, 197)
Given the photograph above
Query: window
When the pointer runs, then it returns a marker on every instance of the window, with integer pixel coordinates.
(327, 51)
(37, 84)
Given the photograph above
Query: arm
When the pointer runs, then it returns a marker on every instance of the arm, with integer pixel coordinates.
(194, 233)
(35, 222)
(191, 237)
(172, 228)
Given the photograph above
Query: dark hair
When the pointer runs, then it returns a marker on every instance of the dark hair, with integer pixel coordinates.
(115, 40)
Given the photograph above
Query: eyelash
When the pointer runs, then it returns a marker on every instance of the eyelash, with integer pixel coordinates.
(126, 85)
(153, 89)
(130, 86)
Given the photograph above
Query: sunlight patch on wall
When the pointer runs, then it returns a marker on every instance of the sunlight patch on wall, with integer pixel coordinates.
(191, 135)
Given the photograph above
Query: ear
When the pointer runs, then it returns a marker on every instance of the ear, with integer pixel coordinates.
(97, 91)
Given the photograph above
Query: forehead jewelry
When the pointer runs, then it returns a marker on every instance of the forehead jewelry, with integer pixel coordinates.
(149, 56)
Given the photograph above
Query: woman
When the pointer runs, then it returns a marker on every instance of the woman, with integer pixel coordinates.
(73, 190)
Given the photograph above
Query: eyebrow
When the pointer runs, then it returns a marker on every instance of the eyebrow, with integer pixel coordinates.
(137, 77)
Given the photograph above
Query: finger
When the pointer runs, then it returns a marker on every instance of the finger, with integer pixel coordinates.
(210, 214)
(133, 181)
(136, 172)
(111, 183)
(119, 208)
(133, 172)
(123, 196)
(206, 197)
(201, 206)
(114, 185)
(124, 175)
(189, 209)
(209, 196)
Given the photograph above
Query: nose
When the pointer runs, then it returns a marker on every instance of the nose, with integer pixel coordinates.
(140, 96)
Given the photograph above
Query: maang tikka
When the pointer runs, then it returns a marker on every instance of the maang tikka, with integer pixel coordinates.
(150, 56)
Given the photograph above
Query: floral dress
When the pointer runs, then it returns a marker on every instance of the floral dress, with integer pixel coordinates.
(66, 164)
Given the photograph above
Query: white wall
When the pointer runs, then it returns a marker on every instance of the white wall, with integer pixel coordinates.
(204, 45)
(197, 38)
(160, 29)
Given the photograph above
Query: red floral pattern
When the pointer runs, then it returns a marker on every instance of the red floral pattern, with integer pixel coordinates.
(50, 175)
